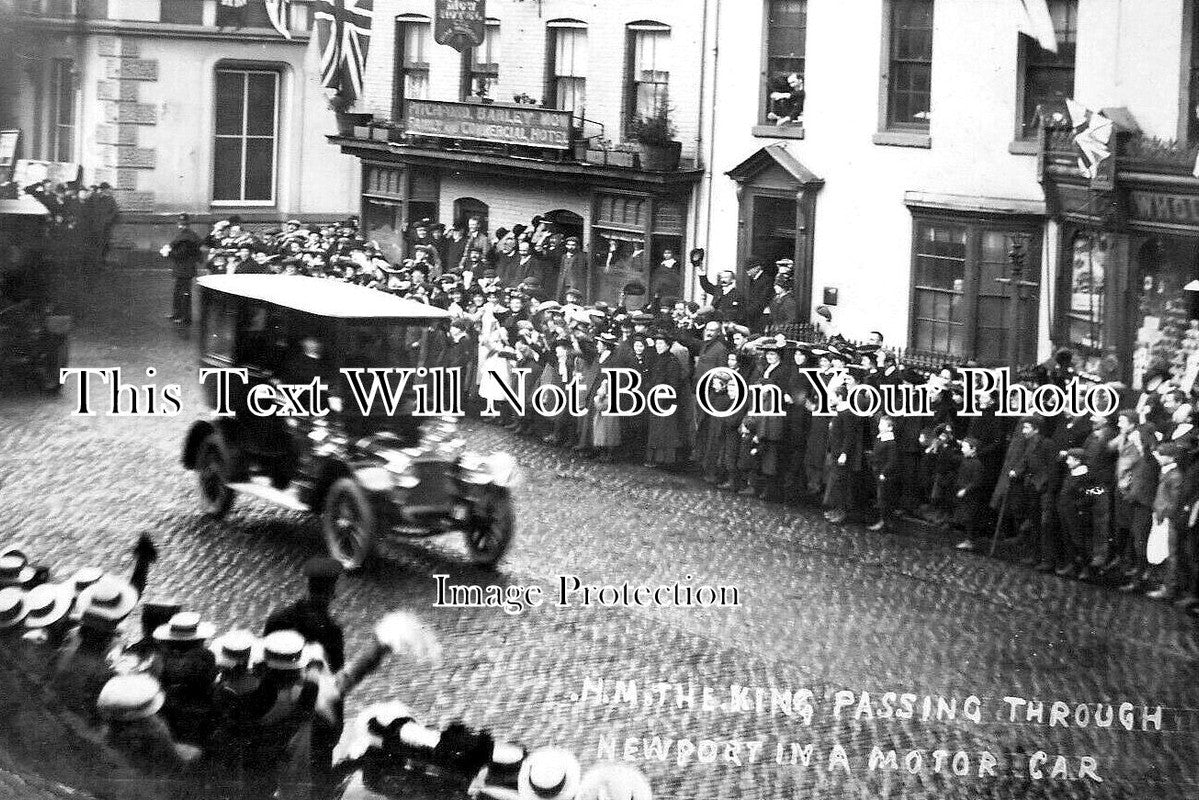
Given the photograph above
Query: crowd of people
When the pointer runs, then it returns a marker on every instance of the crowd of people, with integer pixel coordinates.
(82, 219)
(243, 714)
(1079, 497)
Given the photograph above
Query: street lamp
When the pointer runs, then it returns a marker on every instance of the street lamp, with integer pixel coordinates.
(1017, 257)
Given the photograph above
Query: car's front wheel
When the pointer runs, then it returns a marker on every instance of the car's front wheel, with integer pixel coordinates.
(491, 534)
(349, 523)
(212, 473)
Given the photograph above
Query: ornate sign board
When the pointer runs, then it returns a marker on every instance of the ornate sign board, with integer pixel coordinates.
(460, 24)
(522, 125)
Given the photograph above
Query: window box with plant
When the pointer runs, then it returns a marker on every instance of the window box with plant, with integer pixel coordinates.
(654, 135)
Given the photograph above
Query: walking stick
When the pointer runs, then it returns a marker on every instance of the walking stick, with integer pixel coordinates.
(999, 522)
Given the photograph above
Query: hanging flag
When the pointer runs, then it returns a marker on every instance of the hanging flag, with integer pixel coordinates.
(1092, 136)
(279, 12)
(1033, 19)
(231, 14)
(343, 31)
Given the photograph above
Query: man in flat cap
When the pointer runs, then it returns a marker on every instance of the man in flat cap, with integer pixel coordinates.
(309, 616)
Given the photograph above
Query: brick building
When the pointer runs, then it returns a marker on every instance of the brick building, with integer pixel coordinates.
(177, 112)
(535, 122)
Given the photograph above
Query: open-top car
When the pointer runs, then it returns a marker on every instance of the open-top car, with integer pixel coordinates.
(366, 474)
(34, 334)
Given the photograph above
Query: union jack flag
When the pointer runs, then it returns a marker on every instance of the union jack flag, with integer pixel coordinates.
(343, 30)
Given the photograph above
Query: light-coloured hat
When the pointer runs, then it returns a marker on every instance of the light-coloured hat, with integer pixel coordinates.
(615, 782)
(48, 604)
(12, 607)
(14, 567)
(186, 626)
(283, 650)
(106, 602)
(550, 773)
(236, 649)
(85, 577)
(126, 698)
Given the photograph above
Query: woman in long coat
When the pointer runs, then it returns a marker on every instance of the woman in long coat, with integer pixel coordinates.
(605, 429)
(664, 433)
(816, 447)
(634, 429)
(770, 429)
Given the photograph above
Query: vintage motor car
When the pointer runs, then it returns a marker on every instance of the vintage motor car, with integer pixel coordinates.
(34, 334)
(366, 474)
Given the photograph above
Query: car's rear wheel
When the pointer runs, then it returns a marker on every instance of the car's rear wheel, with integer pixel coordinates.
(349, 523)
(213, 468)
(491, 534)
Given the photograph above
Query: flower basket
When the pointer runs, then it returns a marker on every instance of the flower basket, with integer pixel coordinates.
(347, 122)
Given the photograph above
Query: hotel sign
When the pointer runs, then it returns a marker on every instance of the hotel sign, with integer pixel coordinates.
(1170, 209)
(461, 24)
(519, 125)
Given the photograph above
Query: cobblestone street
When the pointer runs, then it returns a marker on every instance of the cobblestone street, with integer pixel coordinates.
(824, 608)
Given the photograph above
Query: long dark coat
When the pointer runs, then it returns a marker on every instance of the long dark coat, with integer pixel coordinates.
(665, 433)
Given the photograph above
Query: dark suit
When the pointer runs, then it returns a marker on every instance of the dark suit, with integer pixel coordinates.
(572, 274)
(758, 293)
(730, 305)
(185, 256)
(784, 312)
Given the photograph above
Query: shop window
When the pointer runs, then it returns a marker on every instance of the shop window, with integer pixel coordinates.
(481, 65)
(962, 291)
(567, 89)
(1047, 79)
(648, 82)
(909, 65)
(467, 207)
(1086, 312)
(247, 125)
(786, 42)
(411, 80)
(62, 110)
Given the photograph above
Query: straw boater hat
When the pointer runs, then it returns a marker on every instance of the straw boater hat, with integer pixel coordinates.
(186, 626)
(615, 782)
(12, 607)
(105, 603)
(85, 577)
(14, 568)
(550, 773)
(127, 698)
(48, 604)
(237, 648)
(283, 650)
